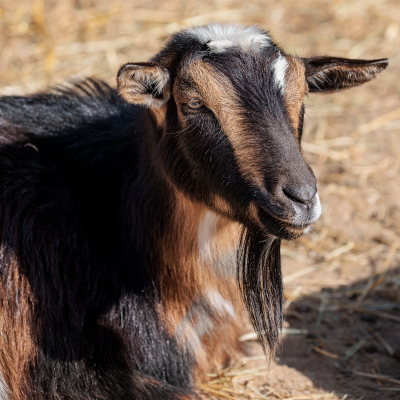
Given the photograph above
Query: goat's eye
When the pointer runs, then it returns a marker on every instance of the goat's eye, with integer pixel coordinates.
(195, 104)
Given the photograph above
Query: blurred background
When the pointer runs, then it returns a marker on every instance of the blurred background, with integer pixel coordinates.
(342, 329)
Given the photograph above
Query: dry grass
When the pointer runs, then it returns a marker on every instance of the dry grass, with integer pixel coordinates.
(347, 270)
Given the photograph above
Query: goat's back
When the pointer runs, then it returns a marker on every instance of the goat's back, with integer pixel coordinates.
(72, 279)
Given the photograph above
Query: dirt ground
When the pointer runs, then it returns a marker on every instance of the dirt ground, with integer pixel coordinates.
(342, 338)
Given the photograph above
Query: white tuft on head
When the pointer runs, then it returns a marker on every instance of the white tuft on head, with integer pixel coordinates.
(280, 66)
(222, 37)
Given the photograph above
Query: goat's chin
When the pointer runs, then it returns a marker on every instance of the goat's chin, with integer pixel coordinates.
(273, 226)
(293, 231)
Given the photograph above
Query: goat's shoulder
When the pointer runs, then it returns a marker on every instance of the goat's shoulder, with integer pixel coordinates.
(64, 108)
(64, 155)
(69, 128)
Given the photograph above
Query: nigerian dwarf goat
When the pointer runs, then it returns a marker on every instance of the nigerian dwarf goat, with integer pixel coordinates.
(127, 229)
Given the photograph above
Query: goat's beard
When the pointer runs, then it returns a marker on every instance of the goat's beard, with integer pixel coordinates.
(260, 281)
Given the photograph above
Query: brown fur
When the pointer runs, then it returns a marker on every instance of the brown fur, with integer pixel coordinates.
(222, 206)
(159, 114)
(220, 97)
(182, 263)
(17, 343)
(295, 89)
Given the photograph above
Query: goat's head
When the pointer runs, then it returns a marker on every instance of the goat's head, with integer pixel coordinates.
(230, 104)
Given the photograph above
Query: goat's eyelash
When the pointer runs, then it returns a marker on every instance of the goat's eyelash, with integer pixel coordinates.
(195, 104)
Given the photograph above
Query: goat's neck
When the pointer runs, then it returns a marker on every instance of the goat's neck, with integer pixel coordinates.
(198, 252)
(196, 244)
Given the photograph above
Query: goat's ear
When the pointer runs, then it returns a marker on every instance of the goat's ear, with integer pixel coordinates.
(328, 74)
(144, 83)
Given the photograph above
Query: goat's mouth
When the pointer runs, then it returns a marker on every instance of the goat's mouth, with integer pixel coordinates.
(280, 228)
(285, 228)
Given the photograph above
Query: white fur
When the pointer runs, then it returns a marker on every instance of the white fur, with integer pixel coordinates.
(222, 263)
(280, 66)
(317, 210)
(316, 213)
(223, 37)
(194, 325)
(206, 231)
(222, 305)
(198, 320)
(3, 389)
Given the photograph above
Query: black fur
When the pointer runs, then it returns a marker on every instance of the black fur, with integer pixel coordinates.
(63, 206)
(260, 282)
(328, 74)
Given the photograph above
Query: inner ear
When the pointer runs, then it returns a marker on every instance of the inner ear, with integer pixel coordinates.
(144, 83)
(328, 74)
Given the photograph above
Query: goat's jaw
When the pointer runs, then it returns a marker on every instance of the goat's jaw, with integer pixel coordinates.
(287, 228)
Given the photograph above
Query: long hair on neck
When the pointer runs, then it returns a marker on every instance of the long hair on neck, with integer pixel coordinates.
(260, 281)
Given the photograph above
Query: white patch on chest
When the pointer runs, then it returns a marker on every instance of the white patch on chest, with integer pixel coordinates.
(279, 67)
(206, 231)
(3, 389)
(201, 317)
(222, 259)
(223, 306)
(222, 37)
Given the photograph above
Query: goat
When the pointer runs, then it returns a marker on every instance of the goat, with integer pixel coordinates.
(134, 223)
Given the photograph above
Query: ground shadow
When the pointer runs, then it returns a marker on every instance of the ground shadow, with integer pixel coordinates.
(348, 342)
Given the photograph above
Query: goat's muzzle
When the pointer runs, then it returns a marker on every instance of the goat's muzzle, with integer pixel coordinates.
(289, 212)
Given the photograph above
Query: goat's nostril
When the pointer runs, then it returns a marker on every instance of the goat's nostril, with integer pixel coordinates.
(302, 195)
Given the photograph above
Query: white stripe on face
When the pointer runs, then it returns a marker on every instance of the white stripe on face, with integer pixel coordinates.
(279, 67)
